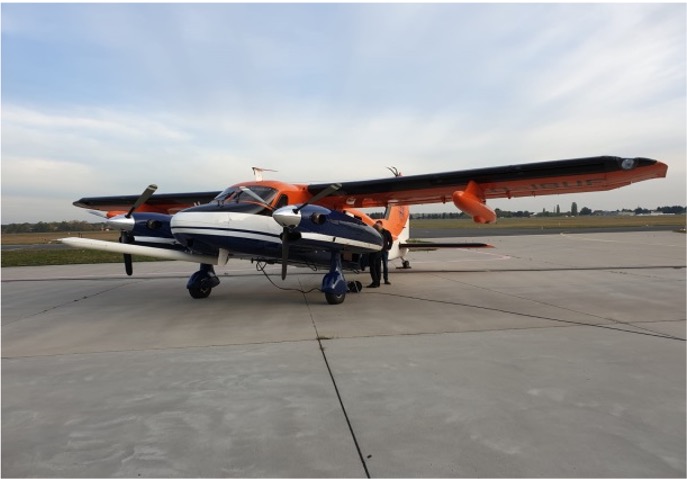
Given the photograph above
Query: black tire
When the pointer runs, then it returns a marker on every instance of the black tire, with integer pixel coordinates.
(199, 293)
(335, 298)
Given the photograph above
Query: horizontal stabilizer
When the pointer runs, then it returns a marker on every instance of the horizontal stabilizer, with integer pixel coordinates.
(137, 249)
(429, 245)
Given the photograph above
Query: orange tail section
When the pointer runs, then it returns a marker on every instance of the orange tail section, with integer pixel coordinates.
(397, 221)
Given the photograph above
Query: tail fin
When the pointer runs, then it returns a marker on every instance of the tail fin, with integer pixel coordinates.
(397, 221)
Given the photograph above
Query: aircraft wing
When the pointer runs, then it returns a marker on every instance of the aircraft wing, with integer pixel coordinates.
(597, 173)
(169, 203)
(162, 253)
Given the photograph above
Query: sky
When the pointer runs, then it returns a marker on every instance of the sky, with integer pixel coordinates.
(104, 99)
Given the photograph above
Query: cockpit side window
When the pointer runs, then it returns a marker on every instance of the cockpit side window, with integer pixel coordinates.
(283, 201)
(264, 192)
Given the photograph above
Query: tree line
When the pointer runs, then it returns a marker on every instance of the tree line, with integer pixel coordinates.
(51, 226)
(574, 211)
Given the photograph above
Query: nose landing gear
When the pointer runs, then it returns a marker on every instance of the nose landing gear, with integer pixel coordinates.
(334, 285)
(201, 282)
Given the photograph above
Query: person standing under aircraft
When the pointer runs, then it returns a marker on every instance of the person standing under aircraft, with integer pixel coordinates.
(375, 262)
(388, 242)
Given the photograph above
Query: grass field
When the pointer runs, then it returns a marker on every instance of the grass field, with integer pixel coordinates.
(45, 257)
(41, 257)
(48, 238)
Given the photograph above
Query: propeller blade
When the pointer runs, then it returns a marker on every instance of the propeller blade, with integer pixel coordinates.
(128, 264)
(125, 237)
(98, 213)
(147, 193)
(322, 194)
(284, 254)
(287, 236)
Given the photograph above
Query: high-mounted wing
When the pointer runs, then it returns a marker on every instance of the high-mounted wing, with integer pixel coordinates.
(597, 173)
(160, 203)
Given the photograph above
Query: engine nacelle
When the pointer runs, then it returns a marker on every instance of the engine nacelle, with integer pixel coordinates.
(471, 202)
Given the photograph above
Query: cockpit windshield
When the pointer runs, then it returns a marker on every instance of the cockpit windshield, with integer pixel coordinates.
(247, 193)
(226, 194)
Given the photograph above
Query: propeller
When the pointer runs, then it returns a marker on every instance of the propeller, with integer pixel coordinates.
(127, 238)
(289, 218)
(322, 194)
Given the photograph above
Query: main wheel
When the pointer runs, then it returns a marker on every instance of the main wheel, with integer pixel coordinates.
(335, 298)
(199, 292)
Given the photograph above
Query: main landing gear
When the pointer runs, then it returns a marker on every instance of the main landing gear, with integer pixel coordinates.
(201, 282)
(334, 285)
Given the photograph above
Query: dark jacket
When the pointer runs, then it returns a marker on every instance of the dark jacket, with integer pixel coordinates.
(388, 240)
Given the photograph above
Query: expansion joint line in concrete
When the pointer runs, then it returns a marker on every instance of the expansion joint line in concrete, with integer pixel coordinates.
(69, 302)
(648, 331)
(644, 332)
(336, 389)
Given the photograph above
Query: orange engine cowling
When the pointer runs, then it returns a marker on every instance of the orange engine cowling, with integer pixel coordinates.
(471, 201)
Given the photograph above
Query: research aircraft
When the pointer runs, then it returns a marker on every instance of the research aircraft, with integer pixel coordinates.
(321, 225)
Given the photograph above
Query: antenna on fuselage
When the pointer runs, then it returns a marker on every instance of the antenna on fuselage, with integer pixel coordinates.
(257, 171)
(394, 171)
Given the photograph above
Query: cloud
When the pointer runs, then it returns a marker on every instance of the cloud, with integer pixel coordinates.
(105, 99)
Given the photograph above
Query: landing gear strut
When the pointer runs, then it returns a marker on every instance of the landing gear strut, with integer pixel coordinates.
(334, 284)
(201, 282)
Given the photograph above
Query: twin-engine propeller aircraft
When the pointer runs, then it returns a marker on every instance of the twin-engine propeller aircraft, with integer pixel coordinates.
(321, 225)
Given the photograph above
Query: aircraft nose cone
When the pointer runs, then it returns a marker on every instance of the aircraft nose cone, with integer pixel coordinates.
(287, 217)
(121, 222)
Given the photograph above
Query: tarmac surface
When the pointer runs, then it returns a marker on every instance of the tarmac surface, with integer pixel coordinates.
(558, 355)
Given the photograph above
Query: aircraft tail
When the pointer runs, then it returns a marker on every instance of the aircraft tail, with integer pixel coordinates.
(397, 221)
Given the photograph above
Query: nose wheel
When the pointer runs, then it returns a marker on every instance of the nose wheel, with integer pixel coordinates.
(333, 298)
(201, 282)
(334, 285)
